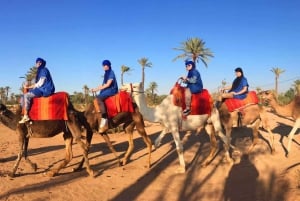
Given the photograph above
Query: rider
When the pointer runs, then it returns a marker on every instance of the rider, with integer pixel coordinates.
(194, 84)
(43, 86)
(238, 89)
(108, 88)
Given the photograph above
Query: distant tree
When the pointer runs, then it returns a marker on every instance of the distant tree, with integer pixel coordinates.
(144, 62)
(297, 86)
(86, 93)
(124, 69)
(194, 48)
(2, 94)
(152, 88)
(7, 88)
(277, 71)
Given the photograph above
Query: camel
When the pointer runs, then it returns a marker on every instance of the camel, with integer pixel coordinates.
(252, 116)
(290, 110)
(70, 128)
(170, 117)
(130, 120)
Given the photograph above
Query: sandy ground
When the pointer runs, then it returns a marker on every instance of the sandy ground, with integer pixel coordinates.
(262, 176)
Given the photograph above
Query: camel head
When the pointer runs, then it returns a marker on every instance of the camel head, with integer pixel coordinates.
(267, 96)
(132, 88)
(8, 118)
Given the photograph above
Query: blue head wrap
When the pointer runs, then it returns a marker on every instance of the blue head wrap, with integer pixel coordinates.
(190, 62)
(106, 62)
(41, 60)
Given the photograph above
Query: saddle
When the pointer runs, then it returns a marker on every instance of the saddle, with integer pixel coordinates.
(201, 102)
(239, 104)
(53, 107)
(121, 102)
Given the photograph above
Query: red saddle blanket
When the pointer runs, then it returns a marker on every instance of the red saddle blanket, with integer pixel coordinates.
(236, 104)
(53, 107)
(121, 102)
(201, 102)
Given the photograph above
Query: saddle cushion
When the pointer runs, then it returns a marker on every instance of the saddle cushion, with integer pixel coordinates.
(237, 104)
(201, 102)
(121, 102)
(53, 107)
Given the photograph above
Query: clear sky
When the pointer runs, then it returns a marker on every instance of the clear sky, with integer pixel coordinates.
(74, 36)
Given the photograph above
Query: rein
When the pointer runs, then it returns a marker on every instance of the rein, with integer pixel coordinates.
(131, 90)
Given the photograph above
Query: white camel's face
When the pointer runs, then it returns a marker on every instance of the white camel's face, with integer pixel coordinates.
(134, 88)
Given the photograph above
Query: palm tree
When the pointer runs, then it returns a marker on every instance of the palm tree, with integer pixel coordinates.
(124, 69)
(194, 48)
(86, 93)
(7, 88)
(2, 93)
(152, 88)
(144, 63)
(297, 86)
(277, 71)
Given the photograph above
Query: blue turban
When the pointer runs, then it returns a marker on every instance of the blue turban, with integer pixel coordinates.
(41, 60)
(106, 62)
(190, 62)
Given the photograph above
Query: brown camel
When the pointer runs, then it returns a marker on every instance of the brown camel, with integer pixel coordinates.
(290, 110)
(44, 129)
(250, 116)
(129, 121)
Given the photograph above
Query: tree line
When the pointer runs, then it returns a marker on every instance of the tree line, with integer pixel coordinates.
(193, 49)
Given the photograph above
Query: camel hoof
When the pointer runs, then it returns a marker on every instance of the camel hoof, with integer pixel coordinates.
(180, 170)
(156, 145)
(49, 174)
(91, 173)
(11, 175)
(78, 169)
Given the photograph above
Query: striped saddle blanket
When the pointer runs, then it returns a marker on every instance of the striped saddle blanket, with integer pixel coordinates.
(121, 102)
(238, 104)
(53, 107)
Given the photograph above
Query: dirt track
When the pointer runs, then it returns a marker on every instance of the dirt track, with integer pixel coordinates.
(261, 177)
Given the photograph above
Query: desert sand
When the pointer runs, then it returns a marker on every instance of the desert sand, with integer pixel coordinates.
(258, 176)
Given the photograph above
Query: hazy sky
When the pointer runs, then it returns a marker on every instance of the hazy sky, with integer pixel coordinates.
(74, 36)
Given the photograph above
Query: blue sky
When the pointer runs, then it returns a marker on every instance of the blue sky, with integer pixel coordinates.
(74, 36)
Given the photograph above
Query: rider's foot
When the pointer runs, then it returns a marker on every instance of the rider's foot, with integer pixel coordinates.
(103, 125)
(186, 112)
(24, 119)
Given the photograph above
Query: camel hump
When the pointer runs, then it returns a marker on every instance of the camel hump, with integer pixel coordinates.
(53, 107)
(237, 104)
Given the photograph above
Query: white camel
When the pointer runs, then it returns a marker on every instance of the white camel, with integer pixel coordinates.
(292, 110)
(170, 117)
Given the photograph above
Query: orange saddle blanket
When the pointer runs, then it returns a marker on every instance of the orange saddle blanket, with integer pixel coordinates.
(121, 102)
(236, 104)
(53, 107)
(201, 102)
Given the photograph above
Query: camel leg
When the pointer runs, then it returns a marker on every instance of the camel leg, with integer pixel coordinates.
(141, 130)
(291, 135)
(68, 158)
(213, 144)
(20, 154)
(227, 157)
(74, 126)
(157, 142)
(129, 150)
(266, 126)
(111, 148)
(179, 148)
(254, 127)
